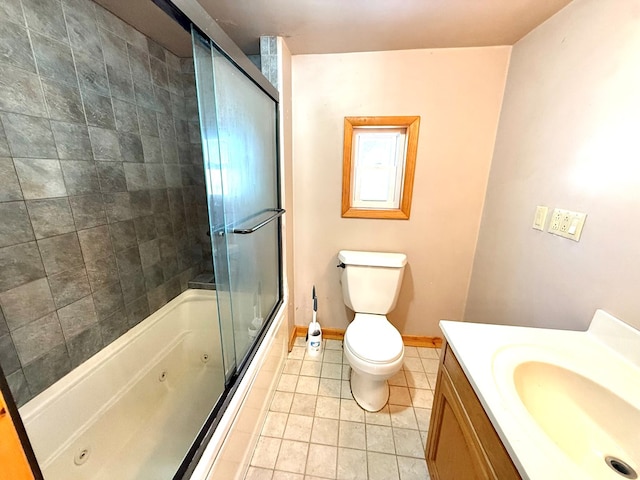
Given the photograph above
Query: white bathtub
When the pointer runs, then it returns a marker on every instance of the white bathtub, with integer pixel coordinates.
(132, 410)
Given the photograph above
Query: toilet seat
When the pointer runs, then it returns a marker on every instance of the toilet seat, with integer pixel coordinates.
(373, 339)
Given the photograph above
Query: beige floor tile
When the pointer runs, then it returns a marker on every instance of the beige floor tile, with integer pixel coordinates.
(333, 344)
(408, 443)
(331, 370)
(299, 342)
(352, 435)
(292, 456)
(382, 466)
(399, 396)
(429, 352)
(297, 352)
(333, 356)
(345, 390)
(287, 383)
(278, 475)
(311, 369)
(298, 428)
(399, 379)
(329, 387)
(346, 371)
(352, 464)
(281, 402)
(403, 417)
(321, 461)
(256, 473)
(430, 365)
(308, 385)
(380, 439)
(412, 468)
(292, 366)
(327, 407)
(380, 417)
(421, 398)
(316, 357)
(423, 416)
(351, 411)
(410, 352)
(325, 431)
(266, 452)
(413, 364)
(303, 404)
(433, 378)
(417, 380)
(274, 424)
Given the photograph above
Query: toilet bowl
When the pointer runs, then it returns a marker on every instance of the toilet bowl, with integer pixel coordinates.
(374, 349)
(372, 345)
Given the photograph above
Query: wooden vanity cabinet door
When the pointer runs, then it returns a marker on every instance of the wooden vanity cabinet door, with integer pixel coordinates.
(13, 461)
(453, 451)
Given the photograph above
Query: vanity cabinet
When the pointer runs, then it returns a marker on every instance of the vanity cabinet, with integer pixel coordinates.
(462, 442)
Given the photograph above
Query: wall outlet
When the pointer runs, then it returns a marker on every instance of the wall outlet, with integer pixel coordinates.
(567, 224)
(540, 217)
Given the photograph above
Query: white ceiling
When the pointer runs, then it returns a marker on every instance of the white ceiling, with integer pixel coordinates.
(333, 26)
(337, 26)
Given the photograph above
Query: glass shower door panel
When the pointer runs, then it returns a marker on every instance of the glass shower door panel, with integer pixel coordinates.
(246, 120)
(203, 65)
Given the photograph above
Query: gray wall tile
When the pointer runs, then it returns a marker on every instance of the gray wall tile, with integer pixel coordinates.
(70, 286)
(45, 16)
(8, 356)
(95, 243)
(82, 30)
(40, 178)
(20, 264)
(99, 110)
(72, 141)
(155, 50)
(46, 370)
(50, 217)
(37, 337)
(139, 62)
(12, 11)
(92, 75)
(54, 59)
(118, 206)
(159, 73)
(29, 137)
(84, 345)
(19, 387)
(126, 117)
(113, 326)
(80, 177)
(137, 310)
(102, 272)
(148, 122)
(88, 211)
(4, 146)
(151, 149)
(123, 235)
(121, 83)
(26, 303)
(136, 176)
(112, 177)
(77, 316)
(131, 147)
(114, 49)
(4, 329)
(63, 101)
(15, 48)
(108, 300)
(105, 144)
(15, 226)
(61, 253)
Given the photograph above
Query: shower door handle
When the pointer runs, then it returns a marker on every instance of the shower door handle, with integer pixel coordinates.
(245, 231)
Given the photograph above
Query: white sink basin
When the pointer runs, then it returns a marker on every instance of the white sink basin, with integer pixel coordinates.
(588, 422)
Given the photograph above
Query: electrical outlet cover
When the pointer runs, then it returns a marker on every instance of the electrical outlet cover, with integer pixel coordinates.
(567, 224)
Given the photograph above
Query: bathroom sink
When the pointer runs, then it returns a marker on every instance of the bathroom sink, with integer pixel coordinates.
(588, 422)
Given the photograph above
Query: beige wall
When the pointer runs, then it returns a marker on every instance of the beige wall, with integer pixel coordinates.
(286, 175)
(569, 137)
(458, 93)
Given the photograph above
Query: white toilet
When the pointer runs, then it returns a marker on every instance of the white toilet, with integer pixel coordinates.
(373, 347)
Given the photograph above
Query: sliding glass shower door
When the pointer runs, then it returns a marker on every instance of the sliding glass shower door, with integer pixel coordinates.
(238, 124)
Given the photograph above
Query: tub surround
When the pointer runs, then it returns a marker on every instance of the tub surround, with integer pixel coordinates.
(607, 354)
(101, 185)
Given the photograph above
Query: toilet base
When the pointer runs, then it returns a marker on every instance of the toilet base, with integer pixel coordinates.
(371, 395)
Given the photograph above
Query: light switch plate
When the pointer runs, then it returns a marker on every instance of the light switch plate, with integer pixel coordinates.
(540, 217)
(567, 224)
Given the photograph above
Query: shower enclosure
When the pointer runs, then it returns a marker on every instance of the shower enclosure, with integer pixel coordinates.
(238, 126)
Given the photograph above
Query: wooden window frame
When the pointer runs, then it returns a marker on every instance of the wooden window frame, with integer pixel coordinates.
(411, 124)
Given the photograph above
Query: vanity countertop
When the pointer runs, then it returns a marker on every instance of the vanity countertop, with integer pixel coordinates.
(582, 376)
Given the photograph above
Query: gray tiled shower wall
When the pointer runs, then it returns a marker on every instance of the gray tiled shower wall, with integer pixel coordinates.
(103, 214)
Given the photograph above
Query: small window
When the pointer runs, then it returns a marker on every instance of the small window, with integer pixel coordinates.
(378, 166)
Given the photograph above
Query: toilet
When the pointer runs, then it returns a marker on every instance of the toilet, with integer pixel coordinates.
(373, 347)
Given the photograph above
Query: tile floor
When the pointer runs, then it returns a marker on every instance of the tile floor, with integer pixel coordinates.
(314, 428)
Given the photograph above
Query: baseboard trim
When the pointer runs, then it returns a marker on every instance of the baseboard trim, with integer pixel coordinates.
(292, 337)
(338, 334)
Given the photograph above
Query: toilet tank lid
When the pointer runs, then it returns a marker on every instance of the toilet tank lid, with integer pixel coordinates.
(372, 259)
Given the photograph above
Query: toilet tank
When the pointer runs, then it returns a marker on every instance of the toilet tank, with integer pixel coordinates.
(371, 280)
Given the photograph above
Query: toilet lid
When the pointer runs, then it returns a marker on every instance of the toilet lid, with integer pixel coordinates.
(373, 339)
